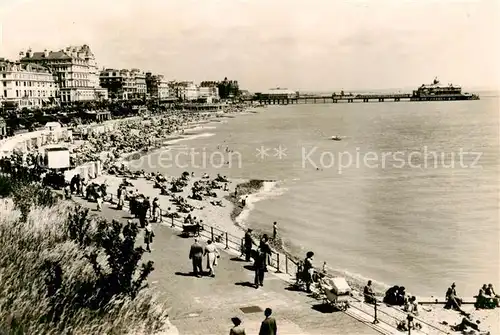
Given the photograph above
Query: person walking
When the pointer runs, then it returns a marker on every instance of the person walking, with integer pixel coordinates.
(260, 267)
(196, 256)
(156, 210)
(212, 255)
(121, 198)
(268, 326)
(248, 244)
(148, 236)
(238, 329)
(99, 200)
(308, 270)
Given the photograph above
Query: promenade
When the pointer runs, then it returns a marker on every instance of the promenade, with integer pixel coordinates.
(205, 305)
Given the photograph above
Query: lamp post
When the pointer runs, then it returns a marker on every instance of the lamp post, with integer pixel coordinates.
(375, 319)
(410, 319)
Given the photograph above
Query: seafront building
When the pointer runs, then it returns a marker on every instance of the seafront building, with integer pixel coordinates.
(26, 85)
(158, 87)
(188, 91)
(124, 84)
(208, 94)
(164, 92)
(185, 90)
(75, 70)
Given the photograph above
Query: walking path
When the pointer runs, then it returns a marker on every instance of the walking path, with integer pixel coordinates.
(206, 305)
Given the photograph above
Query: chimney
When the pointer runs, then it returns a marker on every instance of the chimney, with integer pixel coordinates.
(45, 53)
(21, 54)
(29, 53)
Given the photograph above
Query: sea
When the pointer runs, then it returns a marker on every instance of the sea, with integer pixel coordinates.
(409, 196)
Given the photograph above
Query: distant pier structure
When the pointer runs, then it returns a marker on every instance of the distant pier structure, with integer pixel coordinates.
(432, 92)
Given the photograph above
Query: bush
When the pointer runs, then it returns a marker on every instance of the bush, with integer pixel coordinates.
(63, 271)
(5, 186)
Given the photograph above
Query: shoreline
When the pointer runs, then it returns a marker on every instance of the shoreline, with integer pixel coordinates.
(231, 217)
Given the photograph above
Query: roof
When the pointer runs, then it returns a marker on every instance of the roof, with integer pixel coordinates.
(53, 124)
(278, 91)
(51, 55)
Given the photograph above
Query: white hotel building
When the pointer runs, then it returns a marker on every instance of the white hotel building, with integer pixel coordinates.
(26, 85)
(75, 70)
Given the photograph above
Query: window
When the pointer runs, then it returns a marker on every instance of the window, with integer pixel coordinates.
(5, 93)
(4, 84)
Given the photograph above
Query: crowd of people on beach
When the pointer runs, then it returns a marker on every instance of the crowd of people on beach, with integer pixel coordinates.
(129, 136)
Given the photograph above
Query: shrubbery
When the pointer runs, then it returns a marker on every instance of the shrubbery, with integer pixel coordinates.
(64, 272)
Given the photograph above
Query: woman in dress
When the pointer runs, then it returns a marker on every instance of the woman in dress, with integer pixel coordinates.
(148, 236)
(212, 254)
(99, 200)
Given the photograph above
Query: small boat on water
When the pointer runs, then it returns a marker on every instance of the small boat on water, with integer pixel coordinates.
(335, 138)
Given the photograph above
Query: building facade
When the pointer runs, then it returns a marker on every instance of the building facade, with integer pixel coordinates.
(152, 85)
(124, 84)
(208, 94)
(75, 70)
(164, 91)
(184, 90)
(27, 85)
(139, 82)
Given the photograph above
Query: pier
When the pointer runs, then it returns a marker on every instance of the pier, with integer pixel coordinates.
(324, 99)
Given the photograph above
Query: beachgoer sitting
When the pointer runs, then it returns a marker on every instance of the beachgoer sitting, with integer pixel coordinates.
(452, 301)
(401, 296)
(411, 305)
(390, 297)
(369, 294)
(491, 292)
(483, 300)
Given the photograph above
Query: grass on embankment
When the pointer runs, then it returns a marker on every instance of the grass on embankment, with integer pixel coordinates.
(62, 271)
(249, 187)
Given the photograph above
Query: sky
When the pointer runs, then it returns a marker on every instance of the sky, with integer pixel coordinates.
(309, 45)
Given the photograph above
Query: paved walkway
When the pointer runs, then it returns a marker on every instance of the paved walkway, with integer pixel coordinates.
(206, 305)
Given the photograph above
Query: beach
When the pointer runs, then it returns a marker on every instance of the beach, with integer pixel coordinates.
(214, 135)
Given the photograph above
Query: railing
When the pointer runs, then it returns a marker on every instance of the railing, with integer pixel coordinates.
(281, 262)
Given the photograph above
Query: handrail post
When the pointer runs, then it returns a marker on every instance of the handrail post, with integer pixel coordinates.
(173, 225)
(227, 241)
(212, 233)
(286, 263)
(375, 319)
(278, 263)
(410, 319)
(111, 198)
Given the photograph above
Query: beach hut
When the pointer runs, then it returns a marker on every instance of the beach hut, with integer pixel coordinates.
(53, 126)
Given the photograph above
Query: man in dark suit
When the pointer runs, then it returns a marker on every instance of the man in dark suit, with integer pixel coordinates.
(268, 326)
(196, 256)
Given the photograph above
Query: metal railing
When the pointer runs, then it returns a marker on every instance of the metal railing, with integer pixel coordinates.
(281, 262)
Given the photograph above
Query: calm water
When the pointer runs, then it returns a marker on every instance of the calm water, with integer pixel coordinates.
(421, 226)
